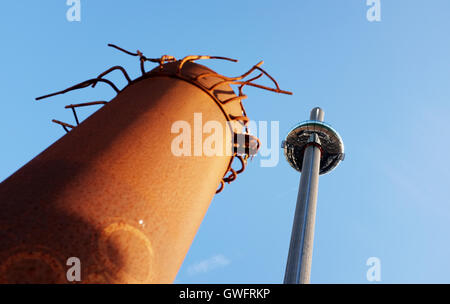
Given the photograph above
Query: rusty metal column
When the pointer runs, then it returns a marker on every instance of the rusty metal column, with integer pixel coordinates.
(112, 191)
(298, 266)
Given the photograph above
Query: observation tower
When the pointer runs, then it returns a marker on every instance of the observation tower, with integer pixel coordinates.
(313, 148)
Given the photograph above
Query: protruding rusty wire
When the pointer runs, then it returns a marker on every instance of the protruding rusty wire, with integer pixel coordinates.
(222, 185)
(243, 163)
(229, 78)
(234, 98)
(117, 67)
(247, 81)
(199, 57)
(244, 83)
(240, 152)
(84, 104)
(76, 117)
(241, 95)
(230, 178)
(243, 119)
(237, 80)
(163, 59)
(123, 50)
(241, 82)
(64, 125)
(81, 85)
(73, 106)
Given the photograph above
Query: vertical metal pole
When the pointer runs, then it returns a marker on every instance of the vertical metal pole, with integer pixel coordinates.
(298, 267)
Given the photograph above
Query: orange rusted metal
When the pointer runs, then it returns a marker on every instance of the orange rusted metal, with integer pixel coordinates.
(110, 191)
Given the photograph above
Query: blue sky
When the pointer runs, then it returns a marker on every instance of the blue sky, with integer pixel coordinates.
(385, 86)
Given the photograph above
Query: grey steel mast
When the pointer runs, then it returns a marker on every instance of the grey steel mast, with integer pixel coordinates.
(312, 147)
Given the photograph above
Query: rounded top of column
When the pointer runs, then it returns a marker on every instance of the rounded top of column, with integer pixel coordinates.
(317, 114)
(329, 140)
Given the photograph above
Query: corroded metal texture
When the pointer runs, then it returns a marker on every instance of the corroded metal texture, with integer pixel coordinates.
(111, 193)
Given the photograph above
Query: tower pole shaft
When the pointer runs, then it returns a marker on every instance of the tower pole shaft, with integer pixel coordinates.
(298, 267)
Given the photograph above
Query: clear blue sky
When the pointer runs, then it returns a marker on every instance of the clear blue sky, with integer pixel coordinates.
(385, 86)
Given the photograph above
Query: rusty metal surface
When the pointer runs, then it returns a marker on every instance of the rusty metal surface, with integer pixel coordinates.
(251, 143)
(111, 193)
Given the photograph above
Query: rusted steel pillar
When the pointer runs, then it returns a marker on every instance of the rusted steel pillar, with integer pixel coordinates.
(112, 193)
